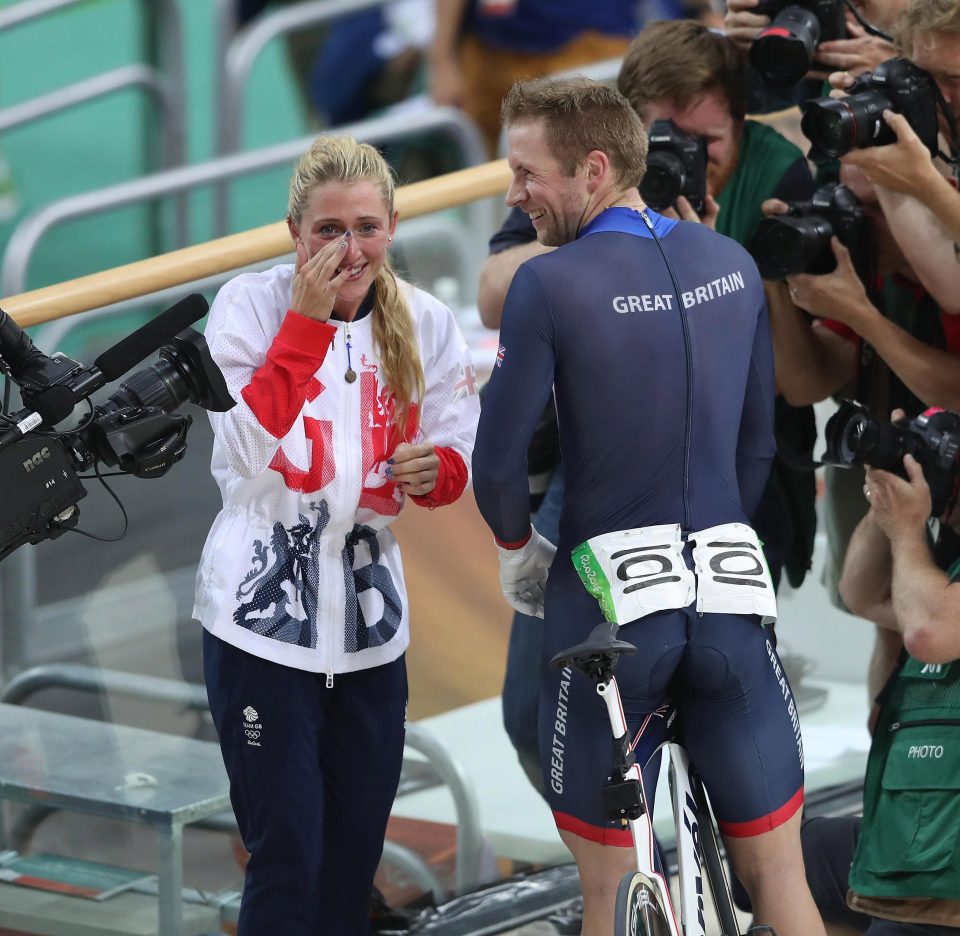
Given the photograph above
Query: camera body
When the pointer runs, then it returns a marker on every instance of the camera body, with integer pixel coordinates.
(932, 438)
(799, 241)
(135, 429)
(676, 165)
(837, 125)
(784, 52)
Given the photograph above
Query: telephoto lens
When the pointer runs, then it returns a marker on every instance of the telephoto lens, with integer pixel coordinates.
(799, 241)
(932, 438)
(783, 52)
(838, 125)
(783, 246)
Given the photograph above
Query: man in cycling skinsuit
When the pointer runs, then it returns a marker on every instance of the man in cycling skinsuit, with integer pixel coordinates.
(666, 417)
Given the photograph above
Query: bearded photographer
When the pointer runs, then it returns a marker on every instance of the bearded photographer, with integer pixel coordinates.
(891, 872)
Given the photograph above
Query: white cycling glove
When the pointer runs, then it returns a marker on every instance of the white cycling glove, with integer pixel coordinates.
(523, 573)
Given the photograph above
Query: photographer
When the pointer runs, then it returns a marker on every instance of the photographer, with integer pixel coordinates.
(682, 71)
(913, 190)
(890, 347)
(905, 167)
(898, 883)
(860, 51)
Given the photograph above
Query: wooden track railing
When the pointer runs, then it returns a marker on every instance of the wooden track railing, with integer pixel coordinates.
(232, 252)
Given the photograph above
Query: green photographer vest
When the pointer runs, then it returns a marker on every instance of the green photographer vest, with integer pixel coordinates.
(909, 845)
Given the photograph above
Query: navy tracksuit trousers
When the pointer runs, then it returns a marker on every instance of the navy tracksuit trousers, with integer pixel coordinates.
(313, 774)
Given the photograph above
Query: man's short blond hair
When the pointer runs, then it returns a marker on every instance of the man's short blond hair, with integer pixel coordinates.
(580, 115)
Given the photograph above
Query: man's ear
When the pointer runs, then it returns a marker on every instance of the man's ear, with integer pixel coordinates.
(597, 169)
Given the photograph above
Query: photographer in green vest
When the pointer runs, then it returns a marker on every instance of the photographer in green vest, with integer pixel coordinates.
(896, 871)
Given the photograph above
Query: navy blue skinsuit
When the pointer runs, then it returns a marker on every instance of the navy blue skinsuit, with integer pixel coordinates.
(666, 417)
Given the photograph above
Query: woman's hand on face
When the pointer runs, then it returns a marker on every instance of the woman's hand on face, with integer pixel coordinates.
(316, 280)
(415, 467)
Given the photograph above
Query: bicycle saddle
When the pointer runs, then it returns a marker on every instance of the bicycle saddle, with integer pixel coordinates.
(598, 653)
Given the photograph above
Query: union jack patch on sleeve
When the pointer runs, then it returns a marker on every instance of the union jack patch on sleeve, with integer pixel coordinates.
(467, 384)
(500, 355)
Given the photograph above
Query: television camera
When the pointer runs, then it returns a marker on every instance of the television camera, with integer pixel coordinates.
(136, 430)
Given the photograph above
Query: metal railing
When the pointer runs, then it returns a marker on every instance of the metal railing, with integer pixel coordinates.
(238, 51)
(442, 766)
(26, 237)
(162, 78)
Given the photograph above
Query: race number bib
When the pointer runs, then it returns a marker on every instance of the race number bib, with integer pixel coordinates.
(732, 572)
(633, 573)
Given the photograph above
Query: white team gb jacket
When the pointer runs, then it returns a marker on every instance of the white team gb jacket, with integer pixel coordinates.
(300, 566)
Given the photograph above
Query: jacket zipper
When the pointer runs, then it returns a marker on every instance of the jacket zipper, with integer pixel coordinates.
(689, 361)
(350, 394)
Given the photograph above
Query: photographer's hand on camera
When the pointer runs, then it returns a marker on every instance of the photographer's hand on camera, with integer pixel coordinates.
(317, 279)
(904, 166)
(741, 24)
(858, 53)
(899, 505)
(839, 295)
(683, 211)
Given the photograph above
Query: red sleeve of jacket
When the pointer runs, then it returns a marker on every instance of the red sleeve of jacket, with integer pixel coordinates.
(279, 388)
(451, 480)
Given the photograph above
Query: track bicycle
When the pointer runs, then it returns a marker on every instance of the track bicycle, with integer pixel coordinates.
(643, 904)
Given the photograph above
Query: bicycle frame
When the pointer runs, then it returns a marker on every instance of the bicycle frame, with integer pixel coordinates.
(641, 828)
(694, 828)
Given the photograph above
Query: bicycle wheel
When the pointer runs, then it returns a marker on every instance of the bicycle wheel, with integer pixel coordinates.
(639, 910)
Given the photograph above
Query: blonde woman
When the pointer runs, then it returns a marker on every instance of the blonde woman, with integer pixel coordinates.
(354, 392)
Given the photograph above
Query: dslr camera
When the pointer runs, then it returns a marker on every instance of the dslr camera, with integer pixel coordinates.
(799, 241)
(676, 165)
(932, 438)
(837, 125)
(783, 52)
(135, 430)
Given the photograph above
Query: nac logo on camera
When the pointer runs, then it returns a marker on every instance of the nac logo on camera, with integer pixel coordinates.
(37, 459)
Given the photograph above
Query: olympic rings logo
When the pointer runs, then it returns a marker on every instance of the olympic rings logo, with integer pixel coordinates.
(252, 734)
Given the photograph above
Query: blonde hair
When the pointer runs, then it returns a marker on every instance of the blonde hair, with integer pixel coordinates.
(343, 159)
(923, 19)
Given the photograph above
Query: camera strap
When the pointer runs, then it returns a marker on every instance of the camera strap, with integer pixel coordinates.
(868, 28)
